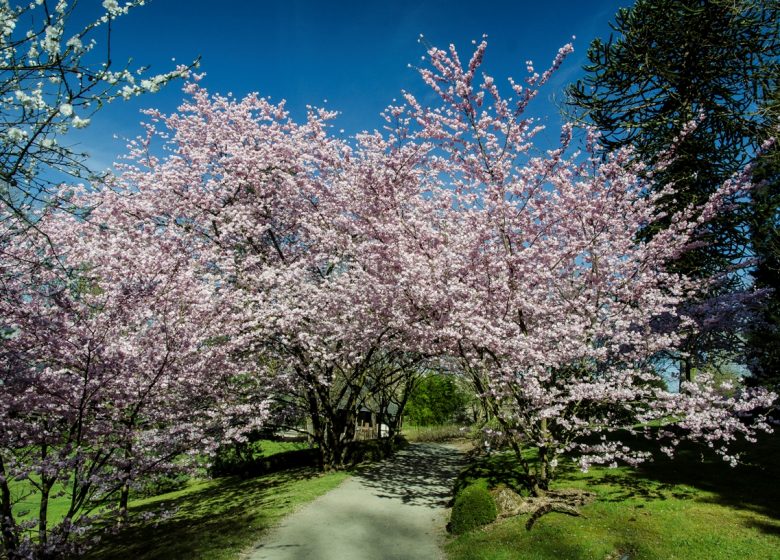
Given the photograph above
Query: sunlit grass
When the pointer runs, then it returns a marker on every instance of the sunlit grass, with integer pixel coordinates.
(685, 509)
(216, 519)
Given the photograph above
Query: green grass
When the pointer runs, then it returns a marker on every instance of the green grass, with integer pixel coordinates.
(269, 447)
(685, 509)
(27, 501)
(215, 519)
(27, 506)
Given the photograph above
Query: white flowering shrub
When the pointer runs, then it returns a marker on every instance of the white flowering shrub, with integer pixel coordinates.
(49, 85)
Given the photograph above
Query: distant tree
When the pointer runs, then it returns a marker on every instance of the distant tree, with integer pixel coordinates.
(436, 399)
(674, 62)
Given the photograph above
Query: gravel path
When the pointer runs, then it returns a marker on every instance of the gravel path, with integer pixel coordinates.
(391, 510)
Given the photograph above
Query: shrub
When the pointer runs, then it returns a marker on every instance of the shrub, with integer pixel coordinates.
(232, 462)
(474, 507)
(375, 449)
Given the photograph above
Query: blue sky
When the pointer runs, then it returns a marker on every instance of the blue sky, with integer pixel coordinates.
(355, 55)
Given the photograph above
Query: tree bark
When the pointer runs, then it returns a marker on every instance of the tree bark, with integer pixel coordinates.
(7, 523)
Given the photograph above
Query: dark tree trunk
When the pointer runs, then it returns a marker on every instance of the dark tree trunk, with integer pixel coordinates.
(124, 493)
(43, 509)
(7, 523)
(686, 372)
(332, 435)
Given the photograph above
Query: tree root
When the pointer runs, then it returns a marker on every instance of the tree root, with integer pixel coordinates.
(568, 501)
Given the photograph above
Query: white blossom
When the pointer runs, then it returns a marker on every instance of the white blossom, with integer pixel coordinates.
(112, 7)
(78, 122)
(16, 134)
(74, 43)
(51, 42)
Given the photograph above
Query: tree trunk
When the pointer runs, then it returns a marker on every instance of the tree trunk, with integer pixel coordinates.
(43, 514)
(333, 437)
(686, 371)
(43, 509)
(543, 473)
(124, 499)
(7, 523)
(124, 493)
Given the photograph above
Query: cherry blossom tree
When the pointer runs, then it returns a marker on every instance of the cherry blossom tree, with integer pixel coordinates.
(284, 212)
(540, 284)
(117, 362)
(447, 235)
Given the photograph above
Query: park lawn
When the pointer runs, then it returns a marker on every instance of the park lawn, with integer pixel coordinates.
(27, 501)
(686, 509)
(215, 519)
(27, 507)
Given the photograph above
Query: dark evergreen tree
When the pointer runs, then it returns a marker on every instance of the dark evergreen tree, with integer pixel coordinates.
(672, 62)
(764, 337)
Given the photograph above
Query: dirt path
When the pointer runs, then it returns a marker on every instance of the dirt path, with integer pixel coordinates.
(391, 510)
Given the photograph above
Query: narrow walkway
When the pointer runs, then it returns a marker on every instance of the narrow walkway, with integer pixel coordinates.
(393, 510)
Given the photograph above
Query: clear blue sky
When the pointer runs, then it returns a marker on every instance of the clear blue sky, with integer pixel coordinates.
(352, 54)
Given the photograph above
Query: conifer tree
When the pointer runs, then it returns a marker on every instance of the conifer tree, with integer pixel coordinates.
(676, 62)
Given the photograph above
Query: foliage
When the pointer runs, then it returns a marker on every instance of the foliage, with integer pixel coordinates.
(764, 333)
(673, 60)
(435, 400)
(474, 507)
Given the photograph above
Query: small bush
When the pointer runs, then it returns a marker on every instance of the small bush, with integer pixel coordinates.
(245, 465)
(474, 507)
(374, 449)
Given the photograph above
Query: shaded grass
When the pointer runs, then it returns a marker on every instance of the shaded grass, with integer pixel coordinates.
(215, 519)
(27, 500)
(695, 507)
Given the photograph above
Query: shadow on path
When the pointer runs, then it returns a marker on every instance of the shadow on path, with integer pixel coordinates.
(393, 510)
(421, 475)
